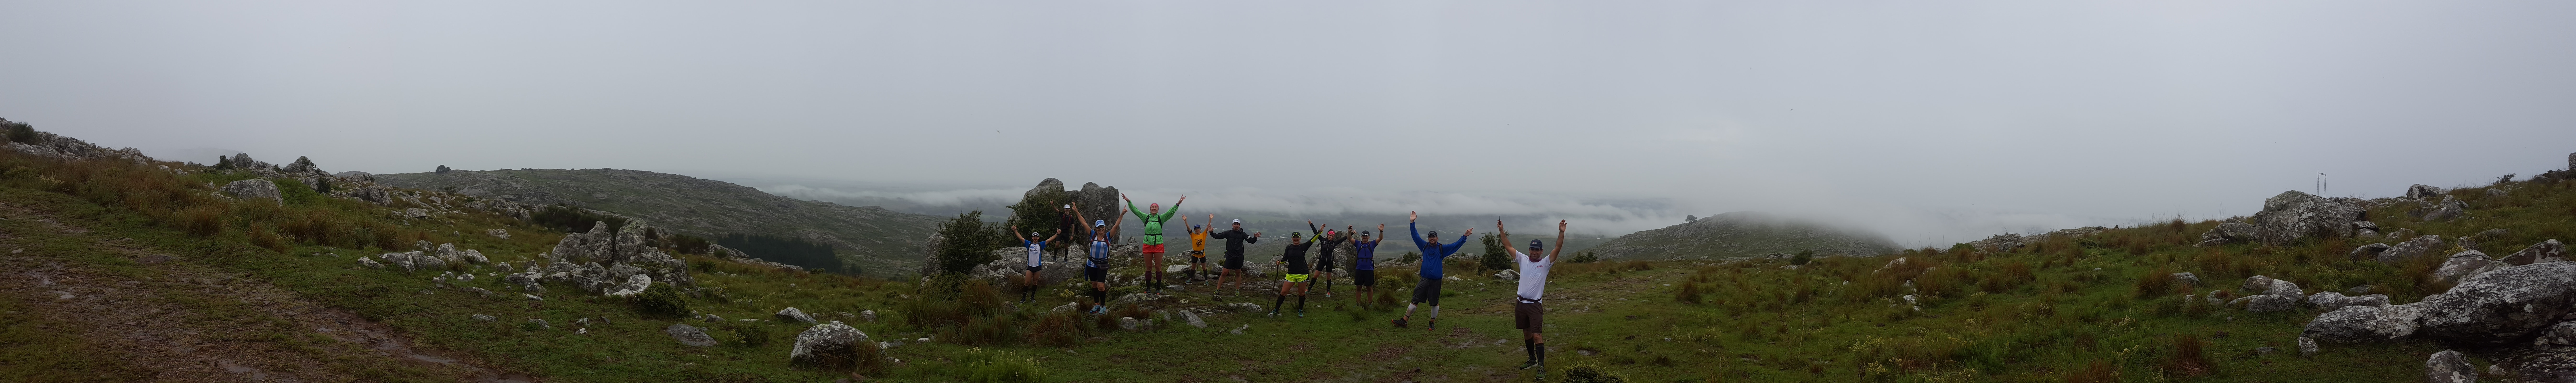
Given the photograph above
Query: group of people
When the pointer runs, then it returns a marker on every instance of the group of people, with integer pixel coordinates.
(1298, 276)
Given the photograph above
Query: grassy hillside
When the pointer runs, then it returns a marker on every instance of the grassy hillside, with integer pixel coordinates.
(882, 242)
(248, 281)
(1743, 234)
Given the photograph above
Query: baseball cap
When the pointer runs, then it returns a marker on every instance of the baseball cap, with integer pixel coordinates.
(1534, 246)
(1433, 233)
(1100, 222)
(1068, 206)
(1238, 221)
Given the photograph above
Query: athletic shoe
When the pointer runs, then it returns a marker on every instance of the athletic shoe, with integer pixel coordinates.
(1099, 309)
(1301, 313)
(1531, 364)
(1399, 322)
(1430, 325)
(1542, 372)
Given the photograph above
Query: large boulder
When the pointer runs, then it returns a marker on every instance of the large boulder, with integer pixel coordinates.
(2262, 285)
(2293, 215)
(2363, 229)
(2226, 233)
(2357, 324)
(2449, 209)
(256, 188)
(2270, 303)
(2465, 264)
(2367, 252)
(2561, 334)
(2420, 191)
(2556, 364)
(2545, 251)
(2420, 246)
(2505, 305)
(2449, 367)
(2330, 301)
(828, 344)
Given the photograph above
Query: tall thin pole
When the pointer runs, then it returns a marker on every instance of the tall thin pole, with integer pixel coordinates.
(2321, 184)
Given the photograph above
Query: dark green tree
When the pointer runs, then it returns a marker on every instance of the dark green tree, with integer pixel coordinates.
(1038, 213)
(966, 242)
(1803, 257)
(20, 132)
(1497, 254)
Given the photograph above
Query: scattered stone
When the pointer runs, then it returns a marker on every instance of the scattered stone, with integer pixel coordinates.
(868, 315)
(2367, 252)
(1129, 324)
(533, 297)
(2449, 367)
(791, 314)
(1509, 275)
(2545, 251)
(2420, 246)
(710, 318)
(2357, 290)
(2265, 350)
(689, 335)
(2226, 233)
(485, 318)
(499, 233)
(2269, 303)
(1193, 318)
(2465, 264)
(2307, 347)
(2187, 279)
(2449, 209)
(823, 343)
(2364, 229)
(2357, 324)
(2561, 334)
(1241, 307)
(478, 291)
(1238, 330)
(542, 323)
(369, 262)
(1066, 306)
(2420, 191)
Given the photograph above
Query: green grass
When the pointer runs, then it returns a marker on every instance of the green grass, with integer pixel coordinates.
(2073, 309)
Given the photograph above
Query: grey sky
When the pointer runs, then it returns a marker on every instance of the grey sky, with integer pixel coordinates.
(1932, 121)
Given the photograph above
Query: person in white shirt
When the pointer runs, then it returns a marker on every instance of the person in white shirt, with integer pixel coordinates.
(1527, 313)
(1037, 249)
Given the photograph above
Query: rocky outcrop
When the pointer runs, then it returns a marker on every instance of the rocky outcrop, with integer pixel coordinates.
(255, 189)
(2545, 251)
(2423, 192)
(2558, 335)
(2358, 324)
(2330, 301)
(623, 252)
(1744, 235)
(828, 344)
(2502, 306)
(57, 146)
(2293, 215)
(2449, 367)
(2368, 252)
(2420, 246)
(2449, 209)
(2363, 229)
(2226, 233)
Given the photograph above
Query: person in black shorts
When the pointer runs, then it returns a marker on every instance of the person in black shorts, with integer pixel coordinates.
(1527, 312)
(1364, 265)
(1198, 236)
(1234, 240)
(1327, 241)
(1433, 253)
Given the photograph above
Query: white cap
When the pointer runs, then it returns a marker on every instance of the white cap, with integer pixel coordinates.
(1238, 221)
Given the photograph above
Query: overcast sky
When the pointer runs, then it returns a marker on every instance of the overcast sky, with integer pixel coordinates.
(1931, 121)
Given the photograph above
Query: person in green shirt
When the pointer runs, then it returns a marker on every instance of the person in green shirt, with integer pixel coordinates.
(1154, 216)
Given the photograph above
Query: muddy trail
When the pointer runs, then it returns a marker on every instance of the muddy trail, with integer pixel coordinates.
(147, 314)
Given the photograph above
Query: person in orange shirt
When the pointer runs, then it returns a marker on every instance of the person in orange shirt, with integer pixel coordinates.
(1198, 248)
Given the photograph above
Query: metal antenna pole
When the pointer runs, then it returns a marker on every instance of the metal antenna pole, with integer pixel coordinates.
(2321, 184)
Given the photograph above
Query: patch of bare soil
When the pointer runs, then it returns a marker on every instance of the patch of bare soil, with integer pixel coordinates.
(186, 322)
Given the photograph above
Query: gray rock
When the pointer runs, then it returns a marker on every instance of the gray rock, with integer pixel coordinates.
(2357, 324)
(542, 323)
(2187, 279)
(635, 284)
(1241, 307)
(689, 335)
(2449, 367)
(1238, 330)
(2357, 290)
(2420, 246)
(2228, 232)
(2545, 251)
(2262, 285)
(369, 262)
(485, 318)
(2265, 350)
(2401, 234)
(255, 189)
(2465, 264)
(498, 233)
(478, 291)
(2368, 252)
(2449, 209)
(711, 318)
(2286, 289)
(2420, 191)
(2363, 229)
(2501, 306)
(868, 315)
(791, 314)
(2293, 215)
(415, 213)
(2270, 303)
(2307, 347)
(826, 344)
(2329, 301)
(1193, 318)
(2556, 364)
(2561, 334)
(1129, 324)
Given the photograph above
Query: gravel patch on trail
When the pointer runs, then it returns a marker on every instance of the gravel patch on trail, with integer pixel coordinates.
(195, 323)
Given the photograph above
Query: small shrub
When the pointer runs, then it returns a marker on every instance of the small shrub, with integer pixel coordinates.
(22, 133)
(1060, 329)
(1689, 293)
(202, 221)
(661, 301)
(1803, 257)
(986, 366)
(2187, 357)
(1586, 372)
(265, 239)
(979, 298)
(749, 335)
(2156, 282)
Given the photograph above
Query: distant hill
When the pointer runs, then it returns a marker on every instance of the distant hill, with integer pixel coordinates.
(1744, 234)
(881, 242)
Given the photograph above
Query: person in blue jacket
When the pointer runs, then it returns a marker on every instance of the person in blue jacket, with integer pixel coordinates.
(1432, 254)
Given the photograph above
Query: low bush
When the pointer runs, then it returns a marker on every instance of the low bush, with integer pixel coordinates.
(661, 301)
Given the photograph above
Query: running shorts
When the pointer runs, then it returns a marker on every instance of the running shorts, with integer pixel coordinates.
(1096, 274)
(1428, 291)
(1294, 278)
(1527, 316)
(1234, 262)
(1154, 248)
(1201, 255)
(1367, 278)
(1035, 268)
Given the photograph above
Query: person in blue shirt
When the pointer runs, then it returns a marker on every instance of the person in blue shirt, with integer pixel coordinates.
(1432, 254)
(1037, 250)
(1364, 264)
(1103, 233)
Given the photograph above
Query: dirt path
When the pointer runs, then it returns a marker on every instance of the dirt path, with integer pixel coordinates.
(185, 322)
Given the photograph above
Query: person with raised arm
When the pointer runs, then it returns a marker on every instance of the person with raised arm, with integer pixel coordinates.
(1296, 277)
(1432, 254)
(1364, 265)
(1068, 221)
(1327, 241)
(1037, 251)
(1199, 248)
(1526, 311)
(1234, 240)
(1154, 216)
(1096, 267)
